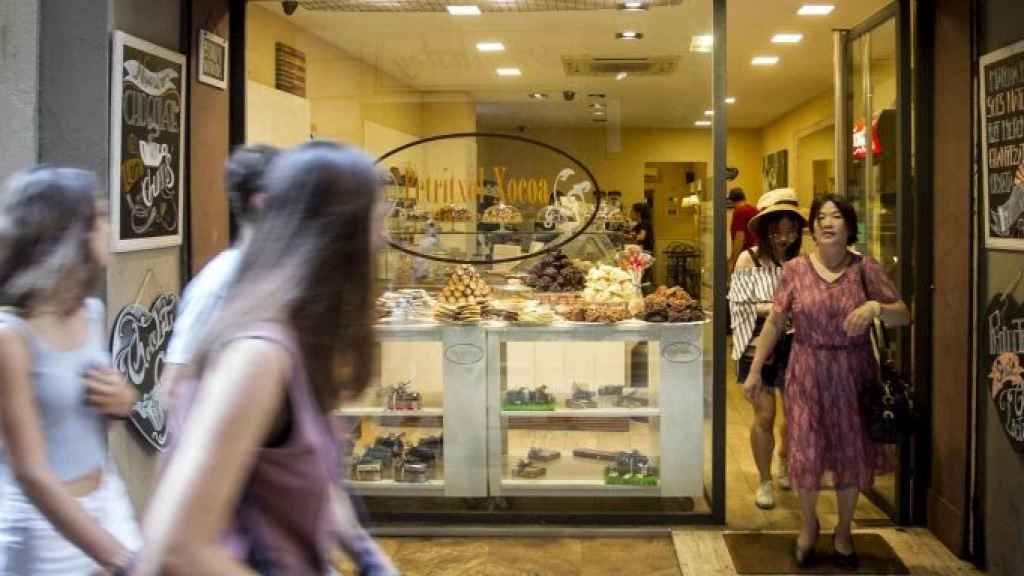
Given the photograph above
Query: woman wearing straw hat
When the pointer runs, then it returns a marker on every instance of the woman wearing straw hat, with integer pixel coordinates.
(778, 225)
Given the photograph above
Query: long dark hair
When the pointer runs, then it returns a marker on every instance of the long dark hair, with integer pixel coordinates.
(47, 215)
(765, 225)
(309, 265)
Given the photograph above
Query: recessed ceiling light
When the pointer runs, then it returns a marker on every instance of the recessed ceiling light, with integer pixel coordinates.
(633, 5)
(730, 100)
(702, 123)
(815, 9)
(538, 96)
(598, 112)
(464, 10)
(509, 72)
(703, 43)
(787, 38)
(621, 75)
(598, 106)
(490, 46)
(629, 35)
(709, 112)
(765, 60)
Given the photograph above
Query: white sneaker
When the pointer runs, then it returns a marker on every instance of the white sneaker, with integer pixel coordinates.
(765, 498)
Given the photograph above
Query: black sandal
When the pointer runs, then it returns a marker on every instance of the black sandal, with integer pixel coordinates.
(846, 561)
(805, 558)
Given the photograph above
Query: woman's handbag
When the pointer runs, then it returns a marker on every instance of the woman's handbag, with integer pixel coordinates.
(887, 400)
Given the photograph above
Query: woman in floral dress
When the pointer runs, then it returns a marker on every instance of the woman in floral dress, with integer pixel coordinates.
(824, 296)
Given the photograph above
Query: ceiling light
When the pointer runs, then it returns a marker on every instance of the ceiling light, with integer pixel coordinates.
(629, 35)
(787, 38)
(621, 75)
(633, 5)
(490, 46)
(703, 43)
(509, 72)
(538, 96)
(702, 123)
(709, 112)
(598, 106)
(464, 10)
(730, 100)
(598, 112)
(765, 60)
(815, 10)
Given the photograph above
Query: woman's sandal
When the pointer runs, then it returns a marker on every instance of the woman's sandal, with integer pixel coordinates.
(848, 561)
(806, 557)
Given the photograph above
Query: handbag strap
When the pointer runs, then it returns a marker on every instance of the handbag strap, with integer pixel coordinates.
(879, 338)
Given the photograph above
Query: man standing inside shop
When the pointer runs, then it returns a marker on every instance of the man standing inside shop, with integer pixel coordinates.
(742, 213)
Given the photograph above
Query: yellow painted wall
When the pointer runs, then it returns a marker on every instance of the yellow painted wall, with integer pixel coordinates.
(818, 145)
(784, 132)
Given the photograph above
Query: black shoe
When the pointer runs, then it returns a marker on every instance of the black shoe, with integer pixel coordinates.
(804, 558)
(846, 561)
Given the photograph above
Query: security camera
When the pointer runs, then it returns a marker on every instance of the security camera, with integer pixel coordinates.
(568, 95)
(290, 7)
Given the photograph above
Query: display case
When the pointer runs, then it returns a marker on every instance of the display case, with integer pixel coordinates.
(562, 411)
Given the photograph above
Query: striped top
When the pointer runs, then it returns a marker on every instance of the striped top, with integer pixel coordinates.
(749, 287)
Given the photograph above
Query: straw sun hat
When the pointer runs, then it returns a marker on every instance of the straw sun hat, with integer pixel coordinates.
(778, 200)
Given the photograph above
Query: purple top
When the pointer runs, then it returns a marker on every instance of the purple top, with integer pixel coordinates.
(283, 523)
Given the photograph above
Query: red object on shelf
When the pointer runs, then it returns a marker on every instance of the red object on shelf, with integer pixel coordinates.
(859, 143)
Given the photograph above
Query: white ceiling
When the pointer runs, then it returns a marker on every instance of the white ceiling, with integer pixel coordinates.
(435, 52)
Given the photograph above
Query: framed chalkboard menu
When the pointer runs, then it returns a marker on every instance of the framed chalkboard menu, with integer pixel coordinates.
(1002, 140)
(147, 134)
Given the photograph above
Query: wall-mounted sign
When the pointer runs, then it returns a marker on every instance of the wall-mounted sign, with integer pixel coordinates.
(147, 134)
(1002, 146)
(1006, 379)
(213, 60)
(138, 344)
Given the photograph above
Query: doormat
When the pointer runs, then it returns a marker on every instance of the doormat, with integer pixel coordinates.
(772, 553)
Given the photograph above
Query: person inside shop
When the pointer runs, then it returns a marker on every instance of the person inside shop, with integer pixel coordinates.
(739, 232)
(255, 460)
(642, 233)
(206, 294)
(63, 507)
(832, 296)
(751, 292)
(486, 237)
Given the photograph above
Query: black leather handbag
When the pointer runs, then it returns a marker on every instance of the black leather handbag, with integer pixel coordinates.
(887, 400)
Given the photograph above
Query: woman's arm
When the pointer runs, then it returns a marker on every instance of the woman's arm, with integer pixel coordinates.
(238, 402)
(773, 328)
(353, 538)
(23, 438)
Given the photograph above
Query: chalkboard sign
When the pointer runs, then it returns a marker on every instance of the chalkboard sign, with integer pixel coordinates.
(147, 133)
(1002, 154)
(1006, 380)
(138, 343)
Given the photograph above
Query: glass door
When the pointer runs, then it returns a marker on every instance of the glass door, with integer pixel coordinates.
(877, 167)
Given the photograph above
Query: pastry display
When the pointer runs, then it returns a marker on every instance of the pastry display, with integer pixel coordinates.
(416, 215)
(555, 272)
(543, 454)
(459, 313)
(522, 399)
(368, 469)
(632, 399)
(608, 284)
(631, 469)
(581, 397)
(502, 214)
(672, 305)
(405, 305)
(399, 397)
(536, 314)
(453, 213)
(465, 286)
(598, 313)
(526, 469)
(634, 261)
(428, 449)
(610, 390)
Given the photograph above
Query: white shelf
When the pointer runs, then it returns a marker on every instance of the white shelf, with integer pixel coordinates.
(378, 412)
(540, 487)
(585, 413)
(393, 488)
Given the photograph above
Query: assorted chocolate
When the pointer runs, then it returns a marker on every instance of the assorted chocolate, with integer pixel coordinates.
(555, 272)
(672, 305)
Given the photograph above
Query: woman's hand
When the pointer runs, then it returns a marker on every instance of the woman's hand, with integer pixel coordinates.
(753, 386)
(859, 320)
(107, 392)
